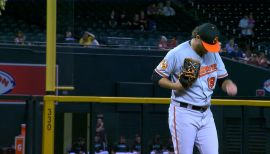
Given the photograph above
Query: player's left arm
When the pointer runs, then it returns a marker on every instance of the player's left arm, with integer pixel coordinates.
(223, 80)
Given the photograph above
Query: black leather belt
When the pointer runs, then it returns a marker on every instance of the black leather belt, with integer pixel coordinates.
(194, 107)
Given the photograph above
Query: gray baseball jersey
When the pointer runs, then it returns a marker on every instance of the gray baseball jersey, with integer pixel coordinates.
(212, 68)
(189, 126)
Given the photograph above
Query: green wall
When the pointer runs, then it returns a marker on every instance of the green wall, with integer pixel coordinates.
(115, 72)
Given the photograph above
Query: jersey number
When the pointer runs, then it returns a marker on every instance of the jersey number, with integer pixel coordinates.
(211, 82)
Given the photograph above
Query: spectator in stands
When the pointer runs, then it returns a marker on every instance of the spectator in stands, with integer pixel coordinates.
(156, 146)
(123, 21)
(246, 52)
(100, 129)
(253, 59)
(246, 56)
(88, 39)
(121, 147)
(163, 43)
(160, 8)
(78, 147)
(20, 38)
(172, 43)
(251, 24)
(152, 9)
(152, 25)
(136, 147)
(69, 38)
(230, 47)
(2, 6)
(243, 24)
(237, 54)
(143, 21)
(136, 25)
(93, 39)
(262, 60)
(113, 21)
(168, 10)
(100, 147)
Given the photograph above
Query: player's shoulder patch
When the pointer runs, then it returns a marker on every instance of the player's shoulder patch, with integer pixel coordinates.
(163, 64)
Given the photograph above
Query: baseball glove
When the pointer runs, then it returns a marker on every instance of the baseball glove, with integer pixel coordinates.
(190, 72)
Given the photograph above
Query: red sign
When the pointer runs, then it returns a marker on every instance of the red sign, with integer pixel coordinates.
(260, 92)
(22, 79)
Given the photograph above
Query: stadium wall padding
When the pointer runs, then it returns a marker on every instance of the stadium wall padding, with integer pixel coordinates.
(119, 72)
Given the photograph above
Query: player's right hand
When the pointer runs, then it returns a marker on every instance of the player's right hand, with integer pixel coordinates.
(231, 89)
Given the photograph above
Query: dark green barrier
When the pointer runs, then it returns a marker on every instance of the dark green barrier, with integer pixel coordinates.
(97, 71)
(115, 72)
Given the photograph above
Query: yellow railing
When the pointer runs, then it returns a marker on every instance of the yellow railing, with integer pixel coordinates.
(49, 112)
(148, 100)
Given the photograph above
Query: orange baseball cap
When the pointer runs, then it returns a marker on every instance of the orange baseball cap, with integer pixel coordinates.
(209, 35)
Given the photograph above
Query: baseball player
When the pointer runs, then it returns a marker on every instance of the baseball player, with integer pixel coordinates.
(192, 70)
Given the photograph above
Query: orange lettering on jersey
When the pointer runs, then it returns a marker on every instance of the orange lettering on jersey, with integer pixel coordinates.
(204, 70)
